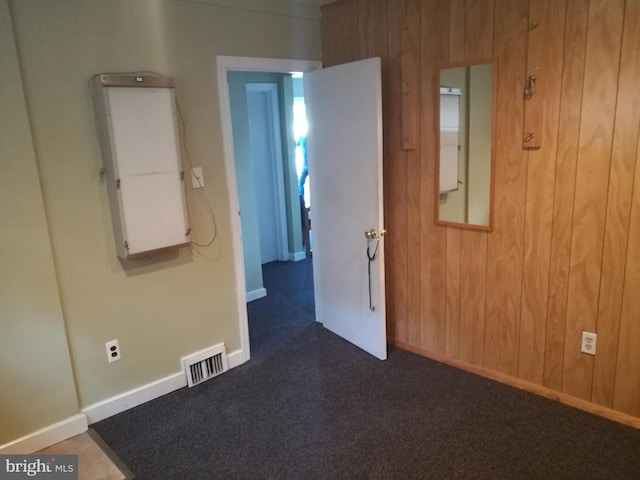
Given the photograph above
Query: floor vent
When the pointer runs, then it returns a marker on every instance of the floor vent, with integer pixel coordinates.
(205, 364)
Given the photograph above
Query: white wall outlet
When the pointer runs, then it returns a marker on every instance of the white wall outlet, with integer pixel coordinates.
(113, 351)
(589, 340)
(197, 180)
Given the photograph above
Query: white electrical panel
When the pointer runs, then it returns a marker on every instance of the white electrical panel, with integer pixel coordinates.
(138, 129)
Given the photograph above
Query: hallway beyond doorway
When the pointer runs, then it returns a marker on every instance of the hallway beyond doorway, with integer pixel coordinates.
(290, 301)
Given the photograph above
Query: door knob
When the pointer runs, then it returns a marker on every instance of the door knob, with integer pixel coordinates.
(373, 233)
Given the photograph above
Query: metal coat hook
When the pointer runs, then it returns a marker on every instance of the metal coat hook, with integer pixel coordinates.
(531, 87)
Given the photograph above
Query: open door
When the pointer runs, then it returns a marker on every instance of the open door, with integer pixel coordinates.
(344, 147)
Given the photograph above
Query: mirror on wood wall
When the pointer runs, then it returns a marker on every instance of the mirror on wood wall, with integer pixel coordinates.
(465, 102)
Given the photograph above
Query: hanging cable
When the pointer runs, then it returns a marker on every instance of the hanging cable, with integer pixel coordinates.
(203, 193)
(371, 259)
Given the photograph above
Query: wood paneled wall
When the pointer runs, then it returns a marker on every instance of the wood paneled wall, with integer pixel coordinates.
(564, 253)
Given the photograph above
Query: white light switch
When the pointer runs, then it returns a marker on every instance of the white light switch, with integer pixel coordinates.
(197, 180)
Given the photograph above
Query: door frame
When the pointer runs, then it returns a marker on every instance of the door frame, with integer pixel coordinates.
(271, 91)
(224, 65)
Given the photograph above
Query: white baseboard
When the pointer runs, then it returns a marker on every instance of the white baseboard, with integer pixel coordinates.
(236, 358)
(256, 294)
(47, 436)
(124, 401)
(297, 256)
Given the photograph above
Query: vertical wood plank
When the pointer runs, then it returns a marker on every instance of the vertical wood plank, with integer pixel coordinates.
(598, 113)
(397, 181)
(537, 43)
(339, 33)
(625, 139)
(473, 244)
(457, 15)
(505, 244)
(411, 108)
(566, 164)
(433, 254)
(452, 306)
(410, 75)
(539, 202)
(479, 25)
(627, 386)
(367, 26)
(473, 261)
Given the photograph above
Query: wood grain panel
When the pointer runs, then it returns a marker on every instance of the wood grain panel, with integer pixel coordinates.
(396, 169)
(410, 41)
(339, 33)
(452, 307)
(539, 203)
(627, 387)
(505, 244)
(537, 44)
(623, 163)
(411, 95)
(598, 113)
(479, 25)
(566, 164)
(561, 258)
(367, 26)
(457, 13)
(433, 253)
(473, 262)
(473, 244)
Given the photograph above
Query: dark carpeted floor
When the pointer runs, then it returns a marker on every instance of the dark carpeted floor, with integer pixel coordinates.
(310, 405)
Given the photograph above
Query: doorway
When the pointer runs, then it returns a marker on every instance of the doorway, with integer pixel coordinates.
(241, 64)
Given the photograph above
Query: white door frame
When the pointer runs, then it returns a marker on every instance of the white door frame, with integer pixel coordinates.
(271, 90)
(224, 65)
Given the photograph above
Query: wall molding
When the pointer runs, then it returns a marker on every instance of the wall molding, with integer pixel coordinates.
(145, 393)
(560, 397)
(256, 294)
(47, 436)
(297, 256)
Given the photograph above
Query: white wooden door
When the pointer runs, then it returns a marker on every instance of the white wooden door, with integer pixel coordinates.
(344, 143)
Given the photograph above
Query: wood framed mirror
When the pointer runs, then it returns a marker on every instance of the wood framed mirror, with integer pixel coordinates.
(464, 166)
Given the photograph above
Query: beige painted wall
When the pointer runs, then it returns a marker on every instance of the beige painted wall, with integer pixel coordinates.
(159, 308)
(34, 357)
